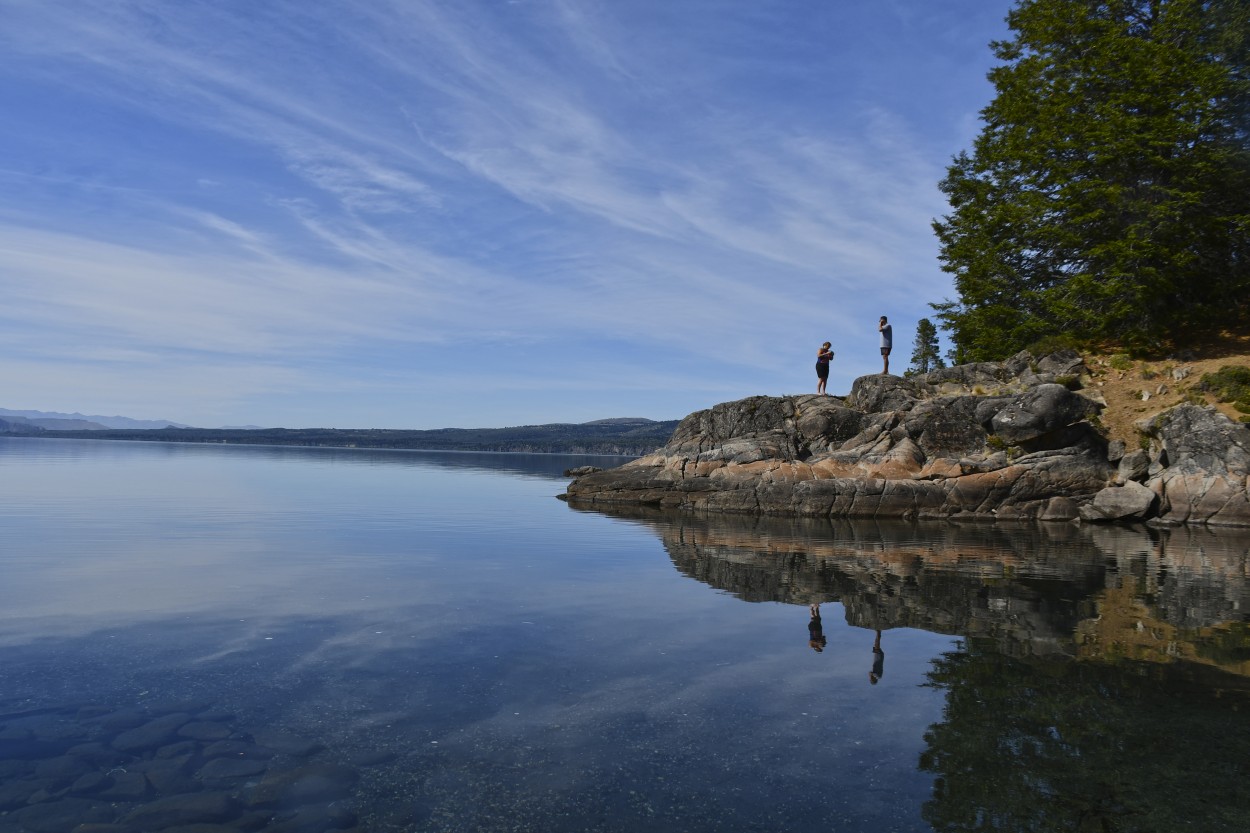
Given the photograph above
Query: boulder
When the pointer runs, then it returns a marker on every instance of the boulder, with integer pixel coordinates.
(1200, 475)
(186, 809)
(882, 392)
(152, 734)
(1039, 411)
(1061, 363)
(1133, 467)
(948, 425)
(1132, 501)
(1203, 438)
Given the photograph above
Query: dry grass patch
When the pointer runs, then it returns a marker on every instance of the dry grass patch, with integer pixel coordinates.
(1122, 380)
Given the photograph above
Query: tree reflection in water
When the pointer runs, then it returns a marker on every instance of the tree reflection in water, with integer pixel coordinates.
(1052, 744)
(1102, 681)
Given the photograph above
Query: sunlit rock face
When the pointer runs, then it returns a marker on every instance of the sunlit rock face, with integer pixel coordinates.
(1201, 468)
(1002, 441)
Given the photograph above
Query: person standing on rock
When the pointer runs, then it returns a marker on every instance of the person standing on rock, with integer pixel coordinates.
(823, 356)
(887, 343)
(878, 661)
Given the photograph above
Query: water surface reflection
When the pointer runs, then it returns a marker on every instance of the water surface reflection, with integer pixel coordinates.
(1171, 596)
(1102, 677)
(259, 639)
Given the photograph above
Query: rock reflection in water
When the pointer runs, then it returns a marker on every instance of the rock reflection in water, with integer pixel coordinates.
(1103, 681)
(1165, 595)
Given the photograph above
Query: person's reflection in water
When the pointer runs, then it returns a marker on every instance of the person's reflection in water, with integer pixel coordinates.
(878, 660)
(815, 633)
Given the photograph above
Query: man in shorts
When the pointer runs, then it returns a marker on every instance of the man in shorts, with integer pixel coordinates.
(887, 343)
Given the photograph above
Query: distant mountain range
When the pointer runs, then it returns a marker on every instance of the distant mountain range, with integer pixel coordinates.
(629, 436)
(81, 422)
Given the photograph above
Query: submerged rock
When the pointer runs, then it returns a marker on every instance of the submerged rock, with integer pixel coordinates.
(989, 440)
(151, 735)
(186, 809)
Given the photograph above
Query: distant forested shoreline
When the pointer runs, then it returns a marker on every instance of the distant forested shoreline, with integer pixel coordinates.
(631, 439)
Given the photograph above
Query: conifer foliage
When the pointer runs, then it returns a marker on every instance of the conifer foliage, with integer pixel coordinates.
(1107, 196)
(925, 355)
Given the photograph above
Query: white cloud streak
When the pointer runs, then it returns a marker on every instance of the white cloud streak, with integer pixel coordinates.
(409, 173)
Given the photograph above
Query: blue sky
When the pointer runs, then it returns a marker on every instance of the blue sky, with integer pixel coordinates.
(476, 213)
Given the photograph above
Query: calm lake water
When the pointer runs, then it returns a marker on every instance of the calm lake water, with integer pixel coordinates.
(220, 638)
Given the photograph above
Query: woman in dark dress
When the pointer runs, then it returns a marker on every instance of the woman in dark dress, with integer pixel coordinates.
(823, 357)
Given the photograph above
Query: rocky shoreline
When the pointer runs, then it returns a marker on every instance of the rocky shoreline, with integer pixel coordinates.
(1012, 440)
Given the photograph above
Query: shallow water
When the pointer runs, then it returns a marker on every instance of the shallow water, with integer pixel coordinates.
(292, 639)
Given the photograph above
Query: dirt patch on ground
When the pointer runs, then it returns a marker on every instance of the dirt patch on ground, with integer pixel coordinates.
(1139, 388)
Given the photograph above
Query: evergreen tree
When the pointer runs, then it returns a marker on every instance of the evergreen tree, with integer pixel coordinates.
(925, 355)
(1108, 194)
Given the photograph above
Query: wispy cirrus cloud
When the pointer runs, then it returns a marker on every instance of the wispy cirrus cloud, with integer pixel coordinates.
(293, 182)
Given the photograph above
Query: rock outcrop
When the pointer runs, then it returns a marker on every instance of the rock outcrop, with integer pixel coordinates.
(1200, 466)
(994, 440)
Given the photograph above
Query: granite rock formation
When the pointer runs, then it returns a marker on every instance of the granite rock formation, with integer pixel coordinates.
(1005, 440)
(1199, 466)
